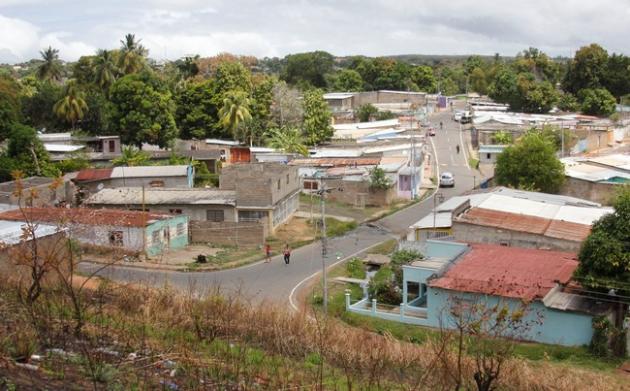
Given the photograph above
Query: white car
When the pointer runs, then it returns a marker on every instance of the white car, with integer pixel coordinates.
(447, 180)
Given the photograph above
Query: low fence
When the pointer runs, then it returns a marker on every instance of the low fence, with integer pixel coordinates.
(403, 313)
(240, 234)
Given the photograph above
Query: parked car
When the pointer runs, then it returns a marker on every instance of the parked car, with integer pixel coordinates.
(458, 115)
(447, 180)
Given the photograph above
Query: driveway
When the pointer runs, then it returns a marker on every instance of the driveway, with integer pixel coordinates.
(276, 282)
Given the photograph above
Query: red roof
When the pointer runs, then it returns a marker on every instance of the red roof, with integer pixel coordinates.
(93, 174)
(508, 271)
(523, 223)
(87, 216)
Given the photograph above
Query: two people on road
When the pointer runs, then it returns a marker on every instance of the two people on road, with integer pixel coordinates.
(286, 253)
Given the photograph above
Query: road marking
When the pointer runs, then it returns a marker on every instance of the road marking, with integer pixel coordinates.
(292, 303)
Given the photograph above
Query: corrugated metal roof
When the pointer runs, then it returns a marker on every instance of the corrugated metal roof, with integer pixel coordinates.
(93, 174)
(519, 206)
(156, 196)
(85, 216)
(11, 232)
(336, 162)
(149, 171)
(505, 220)
(508, 271)
(62, 147)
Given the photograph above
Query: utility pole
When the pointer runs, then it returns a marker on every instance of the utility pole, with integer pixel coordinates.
(324, 250)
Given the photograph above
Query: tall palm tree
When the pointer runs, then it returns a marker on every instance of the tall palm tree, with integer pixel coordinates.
(131, 156)
(288, 140)
(72, 106)
(104, 69)
(235, 111)
(132, 55)
(50, 70)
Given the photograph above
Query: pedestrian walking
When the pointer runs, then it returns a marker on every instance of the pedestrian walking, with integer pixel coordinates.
(287, 254)
(441, 125)
(267, 253)
(457, 148)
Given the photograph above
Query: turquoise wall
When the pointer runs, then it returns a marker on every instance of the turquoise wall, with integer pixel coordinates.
(552, 326)
(175, 241)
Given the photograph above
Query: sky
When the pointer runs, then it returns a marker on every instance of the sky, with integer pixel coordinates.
(171, 29)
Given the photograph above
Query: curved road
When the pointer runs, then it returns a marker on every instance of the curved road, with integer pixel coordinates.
(277, 282)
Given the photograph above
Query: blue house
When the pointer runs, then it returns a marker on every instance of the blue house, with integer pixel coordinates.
(454, 278)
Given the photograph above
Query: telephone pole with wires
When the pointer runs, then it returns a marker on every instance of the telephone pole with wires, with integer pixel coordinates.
(322, 191)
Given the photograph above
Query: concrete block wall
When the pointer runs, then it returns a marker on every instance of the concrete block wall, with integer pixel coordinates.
(260, 184)
(604, 193)
(352, 190)
(243, 234)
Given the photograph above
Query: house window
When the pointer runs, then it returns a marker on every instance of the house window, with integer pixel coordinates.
(155, 237)
(278, 184)
(175, 211)
(116, 238)
(181, 229)
(413, 291)
(156, 183)
(251, 215)
(112, 146)
(488, 156)
(215, 215)
(311, 185)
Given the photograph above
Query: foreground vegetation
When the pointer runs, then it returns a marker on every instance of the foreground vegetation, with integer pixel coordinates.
(140, 338)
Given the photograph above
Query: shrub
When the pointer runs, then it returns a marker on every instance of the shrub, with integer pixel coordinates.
(383, 288)
(601, 335)
(355, 268)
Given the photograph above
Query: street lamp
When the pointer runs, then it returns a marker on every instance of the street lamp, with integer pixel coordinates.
(322, 191)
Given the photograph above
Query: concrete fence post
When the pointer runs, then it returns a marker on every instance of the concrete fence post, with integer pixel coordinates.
(373, 306)
(347, 299)
(402, 311)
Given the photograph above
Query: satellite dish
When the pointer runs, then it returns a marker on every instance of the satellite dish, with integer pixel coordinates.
(100, 186)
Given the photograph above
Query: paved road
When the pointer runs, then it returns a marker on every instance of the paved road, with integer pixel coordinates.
(275, 281)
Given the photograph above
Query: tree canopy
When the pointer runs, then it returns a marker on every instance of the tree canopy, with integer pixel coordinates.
(317, 116)
(530, 164)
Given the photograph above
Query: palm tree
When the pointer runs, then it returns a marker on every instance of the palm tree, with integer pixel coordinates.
(104, 69)
(51, 68)
(72, 106)
(235, 111)
(131, 156)
(288, 140)
(132, 55)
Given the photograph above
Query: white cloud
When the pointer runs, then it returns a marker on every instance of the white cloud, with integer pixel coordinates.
(17, 39)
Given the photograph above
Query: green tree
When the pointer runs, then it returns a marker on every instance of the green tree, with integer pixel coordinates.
(71, 107)
(504, 88)
(537, 97)
(347, 80)
(96, 119)
(597, 101)
(378, 179)
(196, 114)
(25, 152)
(132, 55)
(478, 81)
(568, 102)
(132, 156)
(83, 70)
(105, 69)
(587, 69)
(235, 111)
(288, 140)
(307, 69)
(423, 77)
(364, 112)
(10, 105)
(530, 164)
(142, 110)
(188, 66)
(617, 76)
(317, 118)
(37, 108)
(604, 259)
(502, 137)
(286, 107)
(50, 69)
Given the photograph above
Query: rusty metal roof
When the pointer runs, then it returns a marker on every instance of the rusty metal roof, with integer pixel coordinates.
(86, 216)
(505, 220)
(508, 271)
(93, 174)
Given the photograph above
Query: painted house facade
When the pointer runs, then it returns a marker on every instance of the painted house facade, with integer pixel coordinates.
(130, 231)
(455, 275)
(596, 178)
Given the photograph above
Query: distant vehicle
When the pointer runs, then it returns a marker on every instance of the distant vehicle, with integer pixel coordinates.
(447, 180)
(431, 131)
(466, 119)
(458, 116)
